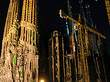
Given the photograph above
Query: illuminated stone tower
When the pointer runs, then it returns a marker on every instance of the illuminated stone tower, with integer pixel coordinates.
(56, 57)
(19, 52)
(12, 11)
(29, 38)
(107, 4)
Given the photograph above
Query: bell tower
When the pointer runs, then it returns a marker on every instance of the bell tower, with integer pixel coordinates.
(11, 14)
(29, 40)
(20, 42)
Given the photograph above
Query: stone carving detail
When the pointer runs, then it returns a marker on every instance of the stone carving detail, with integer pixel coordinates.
(15, 56)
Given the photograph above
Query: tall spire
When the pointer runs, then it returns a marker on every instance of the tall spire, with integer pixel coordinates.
(19, 45)
(29, 11)
(29, 39)
(29, 26)
(11, 14)
(11, 1)
(107, 4)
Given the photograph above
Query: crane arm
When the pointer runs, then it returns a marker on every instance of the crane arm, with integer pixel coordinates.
(86, 27)
(63, 15)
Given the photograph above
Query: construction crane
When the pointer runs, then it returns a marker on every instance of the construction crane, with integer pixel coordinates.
(83, 70)
(82, 46)
(63, 15)
(71, 37)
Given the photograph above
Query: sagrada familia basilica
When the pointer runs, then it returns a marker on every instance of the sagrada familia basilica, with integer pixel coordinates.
(20, 43)
(75, 56)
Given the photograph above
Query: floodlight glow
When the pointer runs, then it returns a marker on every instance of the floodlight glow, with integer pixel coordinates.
(42, 80)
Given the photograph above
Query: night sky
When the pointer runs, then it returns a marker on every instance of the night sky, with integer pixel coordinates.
(49, 18)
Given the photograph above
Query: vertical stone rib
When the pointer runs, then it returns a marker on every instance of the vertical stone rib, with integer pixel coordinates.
(23, 10)
(26, 9)
(33, 13)
(53, 61)
(29, 11)
(30, 5)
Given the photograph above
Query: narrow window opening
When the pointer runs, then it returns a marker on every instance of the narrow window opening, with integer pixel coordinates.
(30, 66)
(26, 35)
(34, 38)
(19, 32)
(33, 51)
(11, 35)
(30, 36)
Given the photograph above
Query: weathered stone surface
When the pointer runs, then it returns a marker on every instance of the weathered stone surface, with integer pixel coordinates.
(5, 74)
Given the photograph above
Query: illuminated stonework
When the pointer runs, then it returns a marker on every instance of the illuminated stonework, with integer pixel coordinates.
(56, 55)
(107, 4)
(19, 54)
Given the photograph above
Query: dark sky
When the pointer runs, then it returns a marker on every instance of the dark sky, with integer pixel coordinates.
(50, 20)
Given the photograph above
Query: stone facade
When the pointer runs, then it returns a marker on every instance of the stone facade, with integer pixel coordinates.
(19, 54)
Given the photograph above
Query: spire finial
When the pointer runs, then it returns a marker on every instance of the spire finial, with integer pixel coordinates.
(10, 1)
